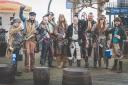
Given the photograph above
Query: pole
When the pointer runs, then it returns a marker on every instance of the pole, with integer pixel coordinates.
(109, 20)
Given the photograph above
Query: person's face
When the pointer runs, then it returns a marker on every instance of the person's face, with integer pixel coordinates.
(50, 17)
(16, 24)
(75, 21)
(90, 17)
(62, 18)
(32, 17)
(45, 20)
(102, 20)
(117, 23)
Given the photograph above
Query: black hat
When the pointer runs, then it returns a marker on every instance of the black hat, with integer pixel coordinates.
(32, 14)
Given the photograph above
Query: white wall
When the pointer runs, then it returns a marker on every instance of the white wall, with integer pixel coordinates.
(6, 21)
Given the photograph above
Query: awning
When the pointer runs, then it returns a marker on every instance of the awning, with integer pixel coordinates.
(11, 6)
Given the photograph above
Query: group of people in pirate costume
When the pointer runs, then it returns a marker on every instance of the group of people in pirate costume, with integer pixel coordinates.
(64, 42)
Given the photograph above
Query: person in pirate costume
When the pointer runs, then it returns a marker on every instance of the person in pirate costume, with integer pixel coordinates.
(15, 41)
(118, 35)
(60, 33)
(51, 28)
(100, 30)
(74, 36)
(30, 26)
(88, 37)
(46, 44)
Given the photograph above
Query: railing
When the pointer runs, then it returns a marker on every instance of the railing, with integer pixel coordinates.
(115, 4)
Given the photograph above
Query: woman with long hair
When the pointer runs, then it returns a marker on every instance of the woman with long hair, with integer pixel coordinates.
(100, 40)
(60, 32)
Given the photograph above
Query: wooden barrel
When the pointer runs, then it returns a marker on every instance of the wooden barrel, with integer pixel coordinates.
(7, 74)
(41, 76)
(76, 76)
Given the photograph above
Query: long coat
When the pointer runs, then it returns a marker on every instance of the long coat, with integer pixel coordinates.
(69, 34)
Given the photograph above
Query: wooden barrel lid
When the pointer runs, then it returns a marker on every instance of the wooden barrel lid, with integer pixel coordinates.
(41, 67)
(76, 69)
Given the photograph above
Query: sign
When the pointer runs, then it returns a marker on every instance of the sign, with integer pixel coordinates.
(116, 11)
(69, 4)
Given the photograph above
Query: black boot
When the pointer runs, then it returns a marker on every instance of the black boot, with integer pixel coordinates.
(120, 67)
(70, 62)
(78, 63)
(95, 62)
(114, 68)
(86, 62)
(99, 62)
(107, 62)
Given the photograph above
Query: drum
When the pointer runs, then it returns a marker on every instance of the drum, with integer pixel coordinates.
(41, 76)
(7, 75)
(76, 76)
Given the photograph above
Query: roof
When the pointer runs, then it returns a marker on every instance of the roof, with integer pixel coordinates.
(10, 6)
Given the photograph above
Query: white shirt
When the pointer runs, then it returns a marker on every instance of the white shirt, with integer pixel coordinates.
(75, 34)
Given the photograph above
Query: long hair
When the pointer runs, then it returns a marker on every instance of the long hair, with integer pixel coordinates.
(62, 23)
(98, 25)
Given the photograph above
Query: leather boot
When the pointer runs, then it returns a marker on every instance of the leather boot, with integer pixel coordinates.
(86, 62)
(99, 62)
(70, 62)
(120, 67)
(78, 63)
(107, 63)
(114, 68)
(95, 63)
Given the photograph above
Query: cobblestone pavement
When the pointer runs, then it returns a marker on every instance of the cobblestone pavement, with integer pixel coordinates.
(100, 76)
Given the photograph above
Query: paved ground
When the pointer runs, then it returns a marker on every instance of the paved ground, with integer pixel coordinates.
(100, 76)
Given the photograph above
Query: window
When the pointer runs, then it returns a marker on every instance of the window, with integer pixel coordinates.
(0, 20)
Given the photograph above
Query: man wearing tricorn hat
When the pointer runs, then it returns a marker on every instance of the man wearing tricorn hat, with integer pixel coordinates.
(30, 26)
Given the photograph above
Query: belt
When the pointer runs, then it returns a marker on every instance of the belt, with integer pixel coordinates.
(75, 40)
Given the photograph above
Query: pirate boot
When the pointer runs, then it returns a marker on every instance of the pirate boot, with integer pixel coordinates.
(78, 63)
(70, 62)
(120, 67)
(114, 68)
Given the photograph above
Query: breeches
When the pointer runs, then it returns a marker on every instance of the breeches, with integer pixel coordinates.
(75, 49)
(30, 54)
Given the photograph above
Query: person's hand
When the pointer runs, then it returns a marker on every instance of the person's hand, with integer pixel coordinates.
(22, 7)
